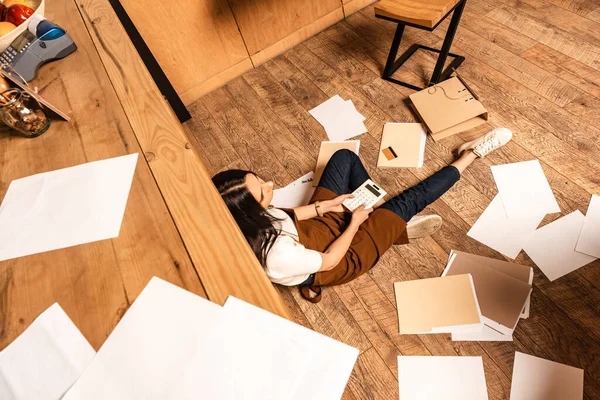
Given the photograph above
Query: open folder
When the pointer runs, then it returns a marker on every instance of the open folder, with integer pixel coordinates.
(402, 146)
(501, 296)
(438, 305)
(448, 108)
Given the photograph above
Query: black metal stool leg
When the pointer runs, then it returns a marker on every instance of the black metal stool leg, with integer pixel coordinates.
(439, 66)
(389, 65)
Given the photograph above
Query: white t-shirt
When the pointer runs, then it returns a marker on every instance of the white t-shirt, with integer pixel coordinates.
(289, 263)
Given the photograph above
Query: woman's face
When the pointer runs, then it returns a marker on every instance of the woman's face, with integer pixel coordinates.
(261, 190)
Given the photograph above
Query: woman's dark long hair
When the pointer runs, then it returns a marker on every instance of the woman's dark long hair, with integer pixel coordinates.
(254, 221)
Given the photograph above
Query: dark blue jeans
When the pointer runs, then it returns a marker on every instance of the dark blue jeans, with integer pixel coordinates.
(345, 172)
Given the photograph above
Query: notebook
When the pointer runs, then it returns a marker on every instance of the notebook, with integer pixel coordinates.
(402, 146)
(438, 305)
(501, 297)
(327, 150)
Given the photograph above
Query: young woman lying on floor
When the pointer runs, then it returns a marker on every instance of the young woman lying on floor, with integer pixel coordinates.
(321, 244)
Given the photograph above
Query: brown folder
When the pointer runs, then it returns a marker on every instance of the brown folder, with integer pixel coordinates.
(438, 305)
(501, 297)
(327, 150)
(448, 108)
(402, 146)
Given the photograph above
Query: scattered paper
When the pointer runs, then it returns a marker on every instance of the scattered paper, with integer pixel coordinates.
(296, 194)
(552, 247)
(524, 190)
(589, 237)
(438, 305)
(150, 349)
(45, 360)
(487, 334)
(339, 118)
(448, 378)
(539, 379)
(497, 231)
(66, 207)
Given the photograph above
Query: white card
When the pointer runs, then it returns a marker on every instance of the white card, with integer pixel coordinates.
(524, 189)
(66, 207)
(506, 236)
(45, 360)
(152, 346)
(448, 378)
(535, 378)
(552, 247)
(339, 118)
(330, 362)
(589, 237)
(296, 194)
(487, 334)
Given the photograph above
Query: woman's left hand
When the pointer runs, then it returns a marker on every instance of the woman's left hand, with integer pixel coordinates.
(335, 205)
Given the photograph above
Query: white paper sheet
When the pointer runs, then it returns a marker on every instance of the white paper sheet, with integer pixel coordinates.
(153, 345)
(350, 103)
(552, 247)
(245, 360)
(448, 378)
(66, 207)
(535, 378)
(589, 237)
(524, 189)
(339, 118)
(45, 360)
(487, 334)
(330, 361)
(296, 194)
(506, 236)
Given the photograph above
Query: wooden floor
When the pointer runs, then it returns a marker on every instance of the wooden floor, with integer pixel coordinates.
(536, 66)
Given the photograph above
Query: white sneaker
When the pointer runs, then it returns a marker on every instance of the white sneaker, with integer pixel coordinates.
(421, 226)
(487, 143)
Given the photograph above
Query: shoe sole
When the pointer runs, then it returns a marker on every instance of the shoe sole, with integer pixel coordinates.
(426, 226)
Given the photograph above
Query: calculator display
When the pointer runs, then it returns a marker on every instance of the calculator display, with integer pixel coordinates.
(371, 189)
(19, 43)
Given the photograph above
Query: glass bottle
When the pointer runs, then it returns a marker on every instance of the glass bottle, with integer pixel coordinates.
(23, 113)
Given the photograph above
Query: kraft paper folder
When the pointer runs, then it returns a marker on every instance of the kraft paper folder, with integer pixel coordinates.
(448, 108)
(327, 150)
(501, 297)
(438, 305)
(402, 146)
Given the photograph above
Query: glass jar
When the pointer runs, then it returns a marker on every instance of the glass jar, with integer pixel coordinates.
(23, 113)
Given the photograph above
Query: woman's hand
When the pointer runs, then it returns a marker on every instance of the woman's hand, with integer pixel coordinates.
(360, 215)
(335, 205)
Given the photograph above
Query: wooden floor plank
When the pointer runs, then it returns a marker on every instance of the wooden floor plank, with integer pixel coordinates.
(522, 64)
(594, 15)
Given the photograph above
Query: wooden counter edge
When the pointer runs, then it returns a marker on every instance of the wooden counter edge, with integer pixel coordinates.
(220, 254)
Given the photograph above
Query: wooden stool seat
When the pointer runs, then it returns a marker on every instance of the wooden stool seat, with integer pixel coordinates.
(425, 13)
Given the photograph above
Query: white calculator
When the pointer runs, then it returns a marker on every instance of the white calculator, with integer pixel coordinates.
(368, 194)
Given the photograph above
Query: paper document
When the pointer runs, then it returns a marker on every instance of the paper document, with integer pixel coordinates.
(487, 334)
(438, 305)
(524, 190)
(66, 207)
(402, 145)
(330, 362)
(589, 237)
(327, 150)
(535, 378)
(339, 118)
(447, 378)
(152, 346)
(45, 360)
(296, 194)
(552, 247)
(505, 235)
(501, 297)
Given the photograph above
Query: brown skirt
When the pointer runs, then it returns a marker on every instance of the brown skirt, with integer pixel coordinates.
(374, 237)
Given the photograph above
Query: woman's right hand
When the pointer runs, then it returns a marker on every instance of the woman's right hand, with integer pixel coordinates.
(360, 215)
